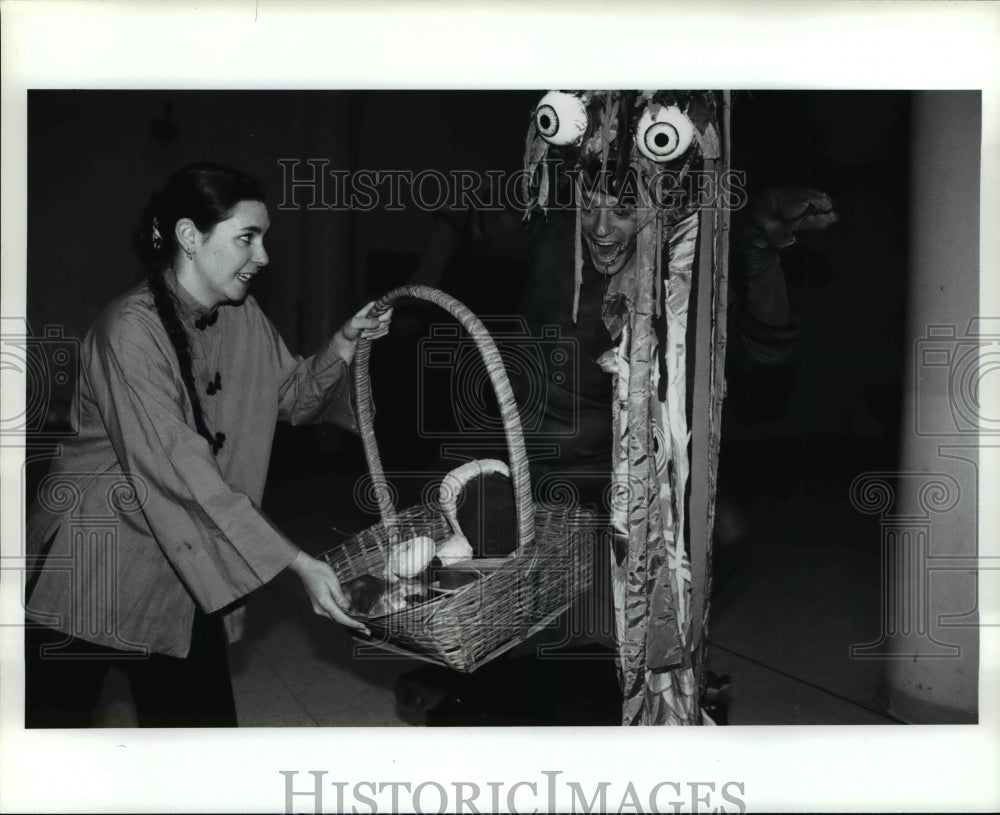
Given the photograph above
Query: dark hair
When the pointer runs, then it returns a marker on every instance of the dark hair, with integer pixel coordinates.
(207, 194)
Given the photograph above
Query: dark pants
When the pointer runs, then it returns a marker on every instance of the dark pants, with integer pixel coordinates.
(62, 688)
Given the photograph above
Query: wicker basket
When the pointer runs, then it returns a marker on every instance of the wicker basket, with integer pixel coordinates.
(513, 599)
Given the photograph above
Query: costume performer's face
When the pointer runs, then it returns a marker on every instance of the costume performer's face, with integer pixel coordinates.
(627, 154)
(609, 228)
(628, 159)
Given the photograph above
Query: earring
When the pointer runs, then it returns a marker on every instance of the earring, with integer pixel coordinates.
(189, 254)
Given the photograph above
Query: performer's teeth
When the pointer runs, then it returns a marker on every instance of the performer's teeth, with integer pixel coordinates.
(607, 251)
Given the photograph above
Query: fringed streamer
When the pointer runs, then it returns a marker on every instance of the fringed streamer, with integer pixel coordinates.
(619, 503)
(605, 141)
(650, 644)
(682, 252)
(708, 142)
(578, 252)
(535, 152)
(607, 117)
(652, 585)
(543, 188)
(644, 524)
(663, 283)
(528, 170)
(658, 232)
(701, 556)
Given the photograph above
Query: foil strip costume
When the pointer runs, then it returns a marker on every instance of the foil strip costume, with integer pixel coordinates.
(663, 150)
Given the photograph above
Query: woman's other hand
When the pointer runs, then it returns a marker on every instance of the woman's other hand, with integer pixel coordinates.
(323, 588)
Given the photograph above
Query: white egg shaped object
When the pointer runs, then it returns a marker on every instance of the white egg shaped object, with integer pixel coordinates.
(411, 557)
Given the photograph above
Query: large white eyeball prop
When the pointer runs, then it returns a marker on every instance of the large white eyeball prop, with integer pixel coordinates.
(561, 118)
(665, 135)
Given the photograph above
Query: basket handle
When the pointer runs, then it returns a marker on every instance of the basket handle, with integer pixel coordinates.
(505, 397)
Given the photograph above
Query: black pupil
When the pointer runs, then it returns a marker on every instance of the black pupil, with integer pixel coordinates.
(661, 139)
(545, 121)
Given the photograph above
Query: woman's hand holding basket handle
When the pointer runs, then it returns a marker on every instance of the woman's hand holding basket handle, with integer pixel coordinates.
(361, 326)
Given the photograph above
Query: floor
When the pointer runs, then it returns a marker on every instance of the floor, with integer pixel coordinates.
(796, 585)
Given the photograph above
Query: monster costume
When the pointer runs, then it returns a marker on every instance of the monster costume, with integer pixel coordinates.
(667, 151)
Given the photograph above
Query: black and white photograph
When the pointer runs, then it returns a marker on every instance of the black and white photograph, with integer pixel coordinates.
(389, 443)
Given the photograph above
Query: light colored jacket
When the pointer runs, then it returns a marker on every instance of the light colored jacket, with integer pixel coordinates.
(137, 520)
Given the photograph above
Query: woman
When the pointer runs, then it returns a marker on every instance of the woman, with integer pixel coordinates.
(182, 381)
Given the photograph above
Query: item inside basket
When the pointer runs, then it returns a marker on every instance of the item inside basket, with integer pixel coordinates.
(374, 596)
(477, 501)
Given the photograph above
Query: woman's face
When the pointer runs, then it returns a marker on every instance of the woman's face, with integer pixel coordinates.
(609, 229)
(226, 258)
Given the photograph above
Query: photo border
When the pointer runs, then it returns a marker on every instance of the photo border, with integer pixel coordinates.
(284, 45)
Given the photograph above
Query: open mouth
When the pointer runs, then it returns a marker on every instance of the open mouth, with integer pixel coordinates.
(244, 277)
(606, 252)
